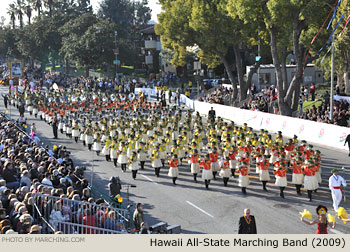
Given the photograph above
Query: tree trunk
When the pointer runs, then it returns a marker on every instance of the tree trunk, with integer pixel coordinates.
(347, 82)
(340, 80)
(284, 109)
(87, 71)
(67, 67)
(229, 73)
(242, 85)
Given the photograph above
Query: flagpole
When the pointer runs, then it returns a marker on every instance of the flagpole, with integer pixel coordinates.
(332, 81)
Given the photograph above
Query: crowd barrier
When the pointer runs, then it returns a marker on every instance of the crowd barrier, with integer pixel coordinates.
(153, 93)
(338, 98)
(318, 133)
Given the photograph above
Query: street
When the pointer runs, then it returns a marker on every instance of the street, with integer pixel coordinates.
(197, 210)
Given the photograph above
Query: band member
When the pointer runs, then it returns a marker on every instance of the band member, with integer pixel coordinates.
(142, 155)
(195, 168)
(133, 165)
(264, 175)
(122, 156)
(173, 168)
(225, 171)
(281, 179)
(207, 173)
(155, 160)
(214, 161)
(243, 179)
(298, 175)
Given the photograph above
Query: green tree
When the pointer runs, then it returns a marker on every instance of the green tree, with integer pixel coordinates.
(208, 25)
(290, 26)
(28, 11)
(88, 41)
(11, 11)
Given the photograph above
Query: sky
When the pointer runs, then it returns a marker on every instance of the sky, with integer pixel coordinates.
(153, 4)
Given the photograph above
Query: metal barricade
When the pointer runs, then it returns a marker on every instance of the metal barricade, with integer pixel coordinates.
(78, 217)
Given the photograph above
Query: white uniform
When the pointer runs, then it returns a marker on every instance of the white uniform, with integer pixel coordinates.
(336, 181)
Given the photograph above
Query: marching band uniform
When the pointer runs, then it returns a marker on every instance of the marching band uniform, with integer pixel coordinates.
(225, 171)
(142, 155)
(155, 160)
(133, 165)
(207, 173)
(298, 175)
(264, 175)
(173, 169)
(195, 168)
(243, 179)
(281, 179)
(122, 156)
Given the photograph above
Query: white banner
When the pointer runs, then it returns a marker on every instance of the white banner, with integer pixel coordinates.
(338, 98)
(320, 133)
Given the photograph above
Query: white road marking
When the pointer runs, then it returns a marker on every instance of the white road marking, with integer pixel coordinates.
(149, 179)
(335, 231)
(200, 209)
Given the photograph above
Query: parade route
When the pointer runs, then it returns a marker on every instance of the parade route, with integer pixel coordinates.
(196, 209)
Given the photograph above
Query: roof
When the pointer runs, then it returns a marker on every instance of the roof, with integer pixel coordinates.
(148, 30)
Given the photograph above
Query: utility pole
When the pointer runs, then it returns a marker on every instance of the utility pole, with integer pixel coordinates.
(259, 66)
(116, 52)
(332, 82)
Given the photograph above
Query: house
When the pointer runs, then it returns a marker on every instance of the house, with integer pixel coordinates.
(267, 75)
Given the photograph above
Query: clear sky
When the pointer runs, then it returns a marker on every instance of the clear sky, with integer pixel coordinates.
(153, 4)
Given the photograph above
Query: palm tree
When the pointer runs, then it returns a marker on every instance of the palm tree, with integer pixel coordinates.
(37, 5)
(12, 10)
(28, 11)
(19, 12)
(49, 5)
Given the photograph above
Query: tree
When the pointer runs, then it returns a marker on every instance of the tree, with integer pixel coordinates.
(290, 25)
(88, 41)
(129, 17)
(208, 25)
(28, 11)
(49, 5)
(341, 51)
(19, 12)
(37, 5)
(11, 11)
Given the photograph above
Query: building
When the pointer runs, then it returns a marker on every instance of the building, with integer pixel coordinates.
(268, 76)
(151, 48)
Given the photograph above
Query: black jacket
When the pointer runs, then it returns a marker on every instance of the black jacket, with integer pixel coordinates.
(245, 228)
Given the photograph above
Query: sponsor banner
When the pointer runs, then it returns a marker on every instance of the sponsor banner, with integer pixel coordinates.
(314, 132)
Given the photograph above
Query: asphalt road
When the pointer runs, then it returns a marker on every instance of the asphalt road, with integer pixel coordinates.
(198, 210)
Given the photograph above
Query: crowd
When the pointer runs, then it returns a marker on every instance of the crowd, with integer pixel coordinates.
(32, 174)
(220, 95)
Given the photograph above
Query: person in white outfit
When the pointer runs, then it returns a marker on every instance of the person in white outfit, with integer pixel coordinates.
(335, 182)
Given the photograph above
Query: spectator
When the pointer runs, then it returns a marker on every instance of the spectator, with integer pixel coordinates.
(306, 94)
(25, 180)
(89, 220)
(111, 222)
(138, 217)
(313, 91)
(56, 215)
(326, 98)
